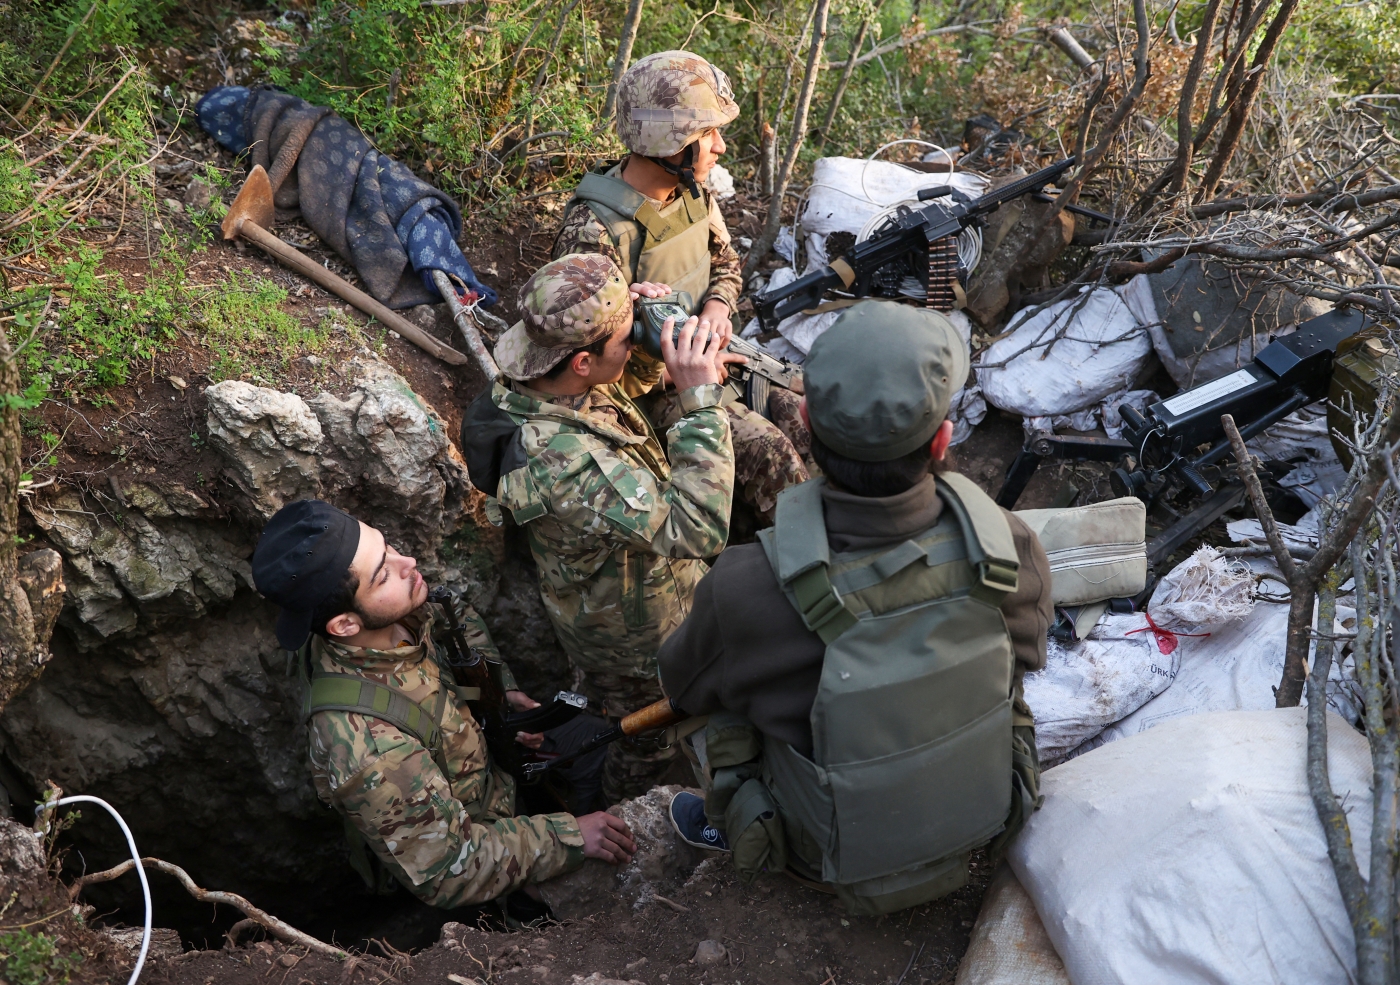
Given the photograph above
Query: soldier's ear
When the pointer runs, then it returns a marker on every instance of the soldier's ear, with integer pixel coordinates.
(942, 438)
(344, 625)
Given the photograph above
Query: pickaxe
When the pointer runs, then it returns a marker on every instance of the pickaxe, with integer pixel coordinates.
(252, 213)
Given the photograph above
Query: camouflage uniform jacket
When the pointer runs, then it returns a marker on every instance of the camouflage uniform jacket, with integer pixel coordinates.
(616, 530)
(451, 839)
(583, 232)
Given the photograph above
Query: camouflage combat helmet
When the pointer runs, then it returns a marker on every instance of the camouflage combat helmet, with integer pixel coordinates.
(666, 100)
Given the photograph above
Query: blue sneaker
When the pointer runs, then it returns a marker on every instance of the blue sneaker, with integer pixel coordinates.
(688, 818)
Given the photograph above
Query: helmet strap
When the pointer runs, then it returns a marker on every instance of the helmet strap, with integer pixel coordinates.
(685, 170)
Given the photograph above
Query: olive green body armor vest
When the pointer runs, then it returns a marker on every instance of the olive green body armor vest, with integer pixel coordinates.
(670, 246)
(912, 743)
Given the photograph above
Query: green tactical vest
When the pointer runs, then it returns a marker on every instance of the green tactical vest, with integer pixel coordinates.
(911, 728)
(668, 247)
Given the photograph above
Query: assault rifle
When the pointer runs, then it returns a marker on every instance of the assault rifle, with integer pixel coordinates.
(499, 722)
(657, 715)
(911, 230)
(1174, 449)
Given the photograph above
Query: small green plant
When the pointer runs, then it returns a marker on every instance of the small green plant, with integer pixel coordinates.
(30, 958)
(206, 220)
(246, 327)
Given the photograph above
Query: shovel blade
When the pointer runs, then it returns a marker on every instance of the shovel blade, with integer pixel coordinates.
(253, 204)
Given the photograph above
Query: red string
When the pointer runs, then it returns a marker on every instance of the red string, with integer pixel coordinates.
(1166, 639)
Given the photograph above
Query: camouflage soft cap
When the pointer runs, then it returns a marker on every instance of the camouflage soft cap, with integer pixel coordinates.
(668, 99)
(567, 304)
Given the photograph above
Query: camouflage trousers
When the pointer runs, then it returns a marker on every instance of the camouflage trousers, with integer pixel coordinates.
(766, 457)
(633, 766)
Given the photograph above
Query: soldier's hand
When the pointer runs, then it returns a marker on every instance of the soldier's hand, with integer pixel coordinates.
(715, 316)
(692, 359)
(649, 289)
(520, 701)
(606, 837)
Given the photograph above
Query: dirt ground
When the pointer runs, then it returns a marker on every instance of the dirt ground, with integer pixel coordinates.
(774, 932)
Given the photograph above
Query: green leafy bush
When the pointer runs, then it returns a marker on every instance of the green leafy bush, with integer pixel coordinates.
(34, 959)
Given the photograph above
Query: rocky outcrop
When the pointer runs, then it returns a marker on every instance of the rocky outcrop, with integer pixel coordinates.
(167, 694)
(662, 863)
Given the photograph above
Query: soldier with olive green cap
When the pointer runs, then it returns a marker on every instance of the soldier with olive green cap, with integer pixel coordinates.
(652, 215)
(861, 665)
(617, 521)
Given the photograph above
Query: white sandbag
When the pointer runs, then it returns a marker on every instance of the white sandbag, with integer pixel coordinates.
(1192, 854)
(846, 192)
(1009, 945)
(1089, 685)
(1302, 534)
(1064, 357)
(720, 183)
(1202, 592)
(1234, 668)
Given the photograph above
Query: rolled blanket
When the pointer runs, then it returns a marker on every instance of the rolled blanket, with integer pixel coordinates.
(395, 228)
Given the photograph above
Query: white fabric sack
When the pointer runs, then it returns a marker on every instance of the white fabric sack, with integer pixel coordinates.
(1202, 592)
(1098, 349)
(720, 183)
(1192, 854)
(1235, 668)
(1009, 945)
(1089, 685)
(846, 192)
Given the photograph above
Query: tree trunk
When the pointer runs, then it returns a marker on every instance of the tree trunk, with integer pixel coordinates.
(623, 57)
(31, 588)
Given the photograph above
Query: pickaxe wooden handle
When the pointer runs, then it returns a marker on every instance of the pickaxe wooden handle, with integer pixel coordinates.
(250, 215)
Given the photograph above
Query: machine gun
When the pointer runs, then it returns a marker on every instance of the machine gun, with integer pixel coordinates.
(1176, 446)
(914, 230)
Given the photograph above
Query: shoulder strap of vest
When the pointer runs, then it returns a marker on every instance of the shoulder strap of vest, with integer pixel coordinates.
(798, 552)
(347, 692)
(990, 548)
(615, 202)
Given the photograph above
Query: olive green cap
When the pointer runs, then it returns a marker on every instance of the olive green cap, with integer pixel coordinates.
(880, 379)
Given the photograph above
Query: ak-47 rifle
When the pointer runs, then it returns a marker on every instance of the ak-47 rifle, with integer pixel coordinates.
(657, 715)
(498, 721)
(912, 230)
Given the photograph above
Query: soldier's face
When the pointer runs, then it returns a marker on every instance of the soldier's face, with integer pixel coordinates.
(608, 367)
(390, 585)
(708, 148)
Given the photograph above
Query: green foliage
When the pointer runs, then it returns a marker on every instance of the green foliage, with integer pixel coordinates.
(34, 959)
(244, 324)
(107, 326)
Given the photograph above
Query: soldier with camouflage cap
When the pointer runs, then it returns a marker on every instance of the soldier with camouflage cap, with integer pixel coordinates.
(652, 216)
(395, 748)
(617, 522)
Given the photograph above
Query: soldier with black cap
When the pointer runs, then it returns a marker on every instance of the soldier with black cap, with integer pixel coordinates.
(392, 749)
(861, 665)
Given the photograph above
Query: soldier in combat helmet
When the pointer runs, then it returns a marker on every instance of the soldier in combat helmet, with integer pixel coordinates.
(861, 665)
(652, 216)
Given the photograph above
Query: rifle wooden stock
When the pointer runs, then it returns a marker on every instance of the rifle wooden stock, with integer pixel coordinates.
(658, 714)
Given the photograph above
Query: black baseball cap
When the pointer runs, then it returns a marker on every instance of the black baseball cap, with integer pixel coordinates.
(301, 559)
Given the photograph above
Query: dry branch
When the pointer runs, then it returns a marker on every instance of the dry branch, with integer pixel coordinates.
(267, 921)
(625, 40)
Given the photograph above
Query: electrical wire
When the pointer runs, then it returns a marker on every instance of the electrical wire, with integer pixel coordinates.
(140, 871)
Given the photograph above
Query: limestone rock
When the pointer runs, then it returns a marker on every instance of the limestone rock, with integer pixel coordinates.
(22, 861)
(709, 952)
(165, 943)
(127, 567)
(269, 439)
(662, 861)
(598, 978)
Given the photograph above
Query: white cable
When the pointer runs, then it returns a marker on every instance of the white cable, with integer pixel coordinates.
(140, 872)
